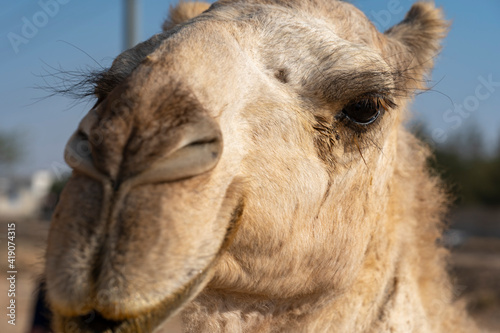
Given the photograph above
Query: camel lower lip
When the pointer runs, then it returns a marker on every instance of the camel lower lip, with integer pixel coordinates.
(99, 324)
(96, 323)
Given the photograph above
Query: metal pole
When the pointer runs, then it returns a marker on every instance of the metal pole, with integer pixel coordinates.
(131, 23)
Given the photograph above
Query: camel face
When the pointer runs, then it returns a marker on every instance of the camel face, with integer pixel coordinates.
(249, 149)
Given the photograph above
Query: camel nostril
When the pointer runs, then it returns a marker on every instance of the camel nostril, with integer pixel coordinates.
(191, 160)
(78, 151)
(203, 142)
(197, 152)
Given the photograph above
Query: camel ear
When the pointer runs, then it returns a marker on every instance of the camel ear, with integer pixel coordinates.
(182, 12)
(418, 39)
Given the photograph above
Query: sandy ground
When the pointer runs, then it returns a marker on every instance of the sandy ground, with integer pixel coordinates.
(475, 265)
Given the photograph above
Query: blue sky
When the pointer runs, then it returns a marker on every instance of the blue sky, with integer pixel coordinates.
(460, 98)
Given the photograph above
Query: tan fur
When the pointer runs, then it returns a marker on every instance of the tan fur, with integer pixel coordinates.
(308, 222)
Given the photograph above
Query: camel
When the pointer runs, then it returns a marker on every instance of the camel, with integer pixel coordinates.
(249, 170)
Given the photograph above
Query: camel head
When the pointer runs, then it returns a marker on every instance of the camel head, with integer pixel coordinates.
(247, 149)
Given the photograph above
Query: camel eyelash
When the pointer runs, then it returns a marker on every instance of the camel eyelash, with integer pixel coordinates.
(384, 102)
(79, 84)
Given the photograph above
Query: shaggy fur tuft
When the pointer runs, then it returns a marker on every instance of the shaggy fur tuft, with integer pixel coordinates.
(183, 12)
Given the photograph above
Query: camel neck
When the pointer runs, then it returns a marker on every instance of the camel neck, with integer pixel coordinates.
(385, 297)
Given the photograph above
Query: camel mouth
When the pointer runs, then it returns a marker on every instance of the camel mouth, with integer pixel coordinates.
(153, 318)
(96, 322)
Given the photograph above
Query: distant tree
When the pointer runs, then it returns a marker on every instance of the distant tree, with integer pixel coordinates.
(472, 176)
(471, 143)
(11, 148)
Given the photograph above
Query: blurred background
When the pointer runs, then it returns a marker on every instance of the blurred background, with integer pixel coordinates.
(459, 117)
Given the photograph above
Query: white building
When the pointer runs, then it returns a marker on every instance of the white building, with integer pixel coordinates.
(23, 197)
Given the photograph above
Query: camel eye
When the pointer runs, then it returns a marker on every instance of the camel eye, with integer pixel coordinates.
(367, 110)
